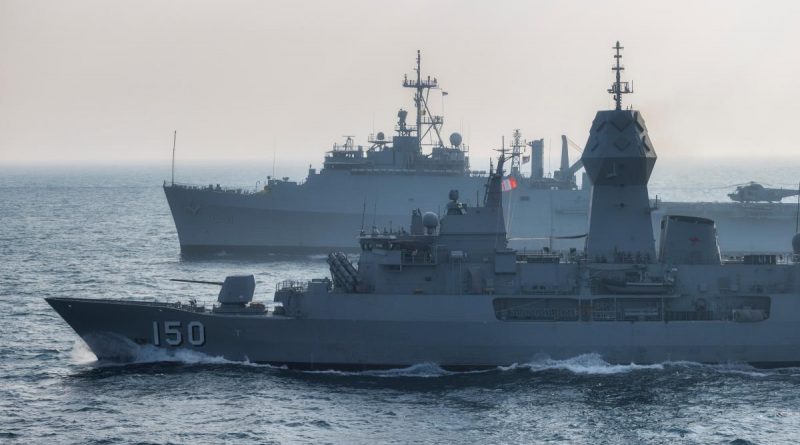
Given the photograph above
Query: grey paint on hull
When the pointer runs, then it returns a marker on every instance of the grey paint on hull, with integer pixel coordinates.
(304, 221)
(425, 332)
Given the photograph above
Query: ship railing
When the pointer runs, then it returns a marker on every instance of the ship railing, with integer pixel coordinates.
(192, 305)
(604, 315)
(407, 129)
(240, 190)
(779, 258)
(426, 258)
(537, 314)
(423, 83)
(540, 257)
(292, 285)
(432, 120)
(409, 171)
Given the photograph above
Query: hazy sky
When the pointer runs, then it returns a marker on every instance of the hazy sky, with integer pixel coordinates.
(108, 81)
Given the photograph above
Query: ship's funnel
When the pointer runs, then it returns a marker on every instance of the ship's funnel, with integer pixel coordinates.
(563, 172)
(537, 159)
(564, 155)
(688, 240)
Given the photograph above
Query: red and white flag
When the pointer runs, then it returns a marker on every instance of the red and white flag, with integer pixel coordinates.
(509, 184)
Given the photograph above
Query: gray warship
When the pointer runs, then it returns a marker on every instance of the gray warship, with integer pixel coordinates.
(380, 183)
(384, 180)
(449, 290)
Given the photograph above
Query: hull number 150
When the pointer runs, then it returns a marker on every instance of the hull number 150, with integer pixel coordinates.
(174, 333)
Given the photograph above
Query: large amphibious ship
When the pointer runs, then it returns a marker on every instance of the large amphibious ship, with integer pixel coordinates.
(450, 291)
(378, 184)
(357, 186)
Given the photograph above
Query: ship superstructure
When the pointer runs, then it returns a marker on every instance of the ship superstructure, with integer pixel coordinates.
(450, 290)
(404, 153)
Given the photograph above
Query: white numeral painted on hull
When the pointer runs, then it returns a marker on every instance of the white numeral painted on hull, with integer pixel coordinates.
(156, 339)
(196, 333)
(173, 334)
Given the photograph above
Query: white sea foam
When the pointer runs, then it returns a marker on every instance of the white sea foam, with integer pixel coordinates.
(594, 364)
(152, 354)
(81, 353)
(137, 354)
(723, 368)
(581, 364)
(584, 364)
(418, 370)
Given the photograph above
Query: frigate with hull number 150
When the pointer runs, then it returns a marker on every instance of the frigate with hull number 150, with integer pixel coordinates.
(450, 291)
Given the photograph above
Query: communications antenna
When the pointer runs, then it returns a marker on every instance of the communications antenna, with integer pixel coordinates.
(619, 87)
(517, 150)
(174, 140)
(426, 121)
(797, 215)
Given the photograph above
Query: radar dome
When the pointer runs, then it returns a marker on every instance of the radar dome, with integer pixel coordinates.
(455, 139)
(381, 136)
(430, 220)
(796, 243)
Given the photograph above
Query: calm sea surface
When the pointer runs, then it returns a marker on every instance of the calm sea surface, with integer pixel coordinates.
(107, 232)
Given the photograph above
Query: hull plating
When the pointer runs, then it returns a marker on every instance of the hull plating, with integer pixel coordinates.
(308, 220)
(455, 341)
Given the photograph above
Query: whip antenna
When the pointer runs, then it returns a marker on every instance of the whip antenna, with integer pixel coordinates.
(797, 215)
(181, 280)
(174, 140)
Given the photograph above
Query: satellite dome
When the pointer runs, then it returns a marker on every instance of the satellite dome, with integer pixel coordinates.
(796, 243)
(455, 139)
(430, 220)
(381, 136)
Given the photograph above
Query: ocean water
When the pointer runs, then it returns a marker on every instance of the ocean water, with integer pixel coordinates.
(107, 232)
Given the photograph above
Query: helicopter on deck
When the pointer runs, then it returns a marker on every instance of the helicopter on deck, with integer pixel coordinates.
(755, 192)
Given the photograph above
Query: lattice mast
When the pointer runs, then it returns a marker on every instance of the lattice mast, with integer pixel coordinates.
(518, 145)
(426, 121)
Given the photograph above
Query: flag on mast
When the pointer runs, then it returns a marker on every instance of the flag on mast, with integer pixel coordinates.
(508, 184)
